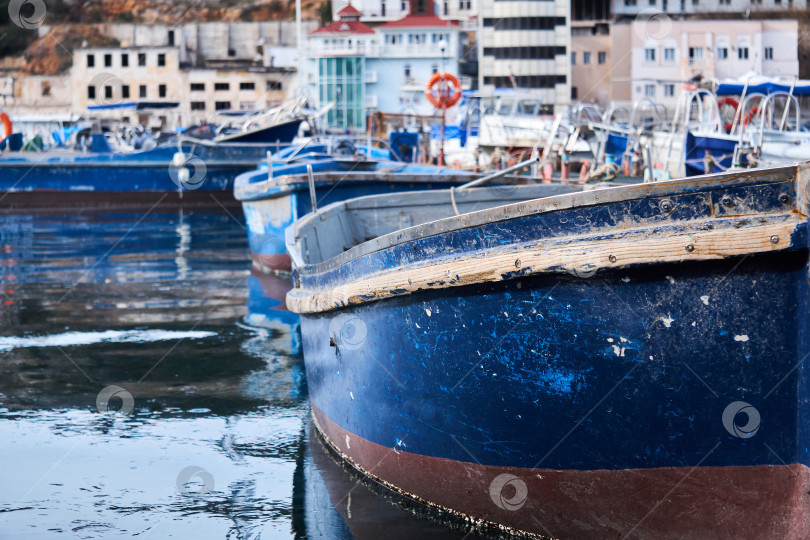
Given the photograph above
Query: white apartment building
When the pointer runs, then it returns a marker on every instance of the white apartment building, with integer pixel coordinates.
(656, 65)
(526, 44)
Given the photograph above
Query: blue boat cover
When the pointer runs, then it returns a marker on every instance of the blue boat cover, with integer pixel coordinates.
(733, 89)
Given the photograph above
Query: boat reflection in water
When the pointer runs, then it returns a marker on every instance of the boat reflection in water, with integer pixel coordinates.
(330, 502)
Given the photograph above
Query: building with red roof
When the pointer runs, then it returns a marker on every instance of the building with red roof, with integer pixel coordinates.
(385, 68)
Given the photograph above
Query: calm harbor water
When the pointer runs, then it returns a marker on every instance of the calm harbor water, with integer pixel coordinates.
(151, 387)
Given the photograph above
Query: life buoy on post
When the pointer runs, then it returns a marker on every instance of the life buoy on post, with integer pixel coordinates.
(443, 90)
(7, 128)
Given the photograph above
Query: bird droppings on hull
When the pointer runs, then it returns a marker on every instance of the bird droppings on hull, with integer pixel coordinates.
(671, 280)
(668, 320)
(741, 337)
(705, 300)
(427, 310)
(348, 443)
(618, 351)
(626, 279)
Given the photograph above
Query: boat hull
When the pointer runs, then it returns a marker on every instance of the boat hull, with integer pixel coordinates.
(624, 362)
(588, 394)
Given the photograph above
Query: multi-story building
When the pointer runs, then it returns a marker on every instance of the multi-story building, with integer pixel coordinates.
(656, 64)
(526, 44)
(204, 67)
(360, 68)
(633, 8)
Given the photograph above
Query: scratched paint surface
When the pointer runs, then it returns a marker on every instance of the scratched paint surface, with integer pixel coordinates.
(522, 373)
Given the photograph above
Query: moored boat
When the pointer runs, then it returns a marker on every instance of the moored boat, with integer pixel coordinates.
(273, 199)
(623, 362)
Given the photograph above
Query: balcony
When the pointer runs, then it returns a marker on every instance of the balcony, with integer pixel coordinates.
(370, 102)
(370, 76)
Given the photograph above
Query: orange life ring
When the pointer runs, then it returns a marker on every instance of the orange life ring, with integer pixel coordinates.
(731, 102)
(7, 128)
(750, 115)
(443, 90)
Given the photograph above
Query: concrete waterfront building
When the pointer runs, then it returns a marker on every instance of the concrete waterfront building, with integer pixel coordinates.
(204, 67)
(526, 44)
(362, 69)
(658, 58)
(108, 76)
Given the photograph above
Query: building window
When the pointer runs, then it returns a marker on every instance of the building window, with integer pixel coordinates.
(669, 54)
(601, 57)
(274, 85)
(161, 59)
(162, 90)
(247, 86)
(46, 88)
(649, 55)
(669, 90)
(742, 53)
(125, 91)
(407, 71)
(434, 68)
(171, 38)
(768, 53)
(586, 58)
(107, 60)
(695, 53)
(197, 105)
(629, 2)
(382, 9)
(222, 105)
(125, 60)
(403, 6)
(649, 90)
(446, 9)
(722, 53)
(222, 86)
(197, 87)
(573, 92)
(91, 92)
(108, 92)
(573, 58)
(141, 59)
(142, 91)
(91, 60)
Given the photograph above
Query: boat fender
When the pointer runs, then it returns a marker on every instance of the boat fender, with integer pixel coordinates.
(583, 171)
(178, 159)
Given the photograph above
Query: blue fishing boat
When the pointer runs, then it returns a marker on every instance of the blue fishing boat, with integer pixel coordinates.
(622, 362)
(189, 170)
(273, 199)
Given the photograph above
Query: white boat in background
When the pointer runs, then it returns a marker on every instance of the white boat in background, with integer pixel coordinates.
(493, 128)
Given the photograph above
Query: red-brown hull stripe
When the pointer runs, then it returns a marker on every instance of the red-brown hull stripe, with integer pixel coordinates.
(757, 502)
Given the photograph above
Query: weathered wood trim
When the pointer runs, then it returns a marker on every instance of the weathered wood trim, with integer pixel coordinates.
(555, 203)
(580, 255)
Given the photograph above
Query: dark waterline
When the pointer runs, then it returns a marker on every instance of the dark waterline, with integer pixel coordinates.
(217, 443)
